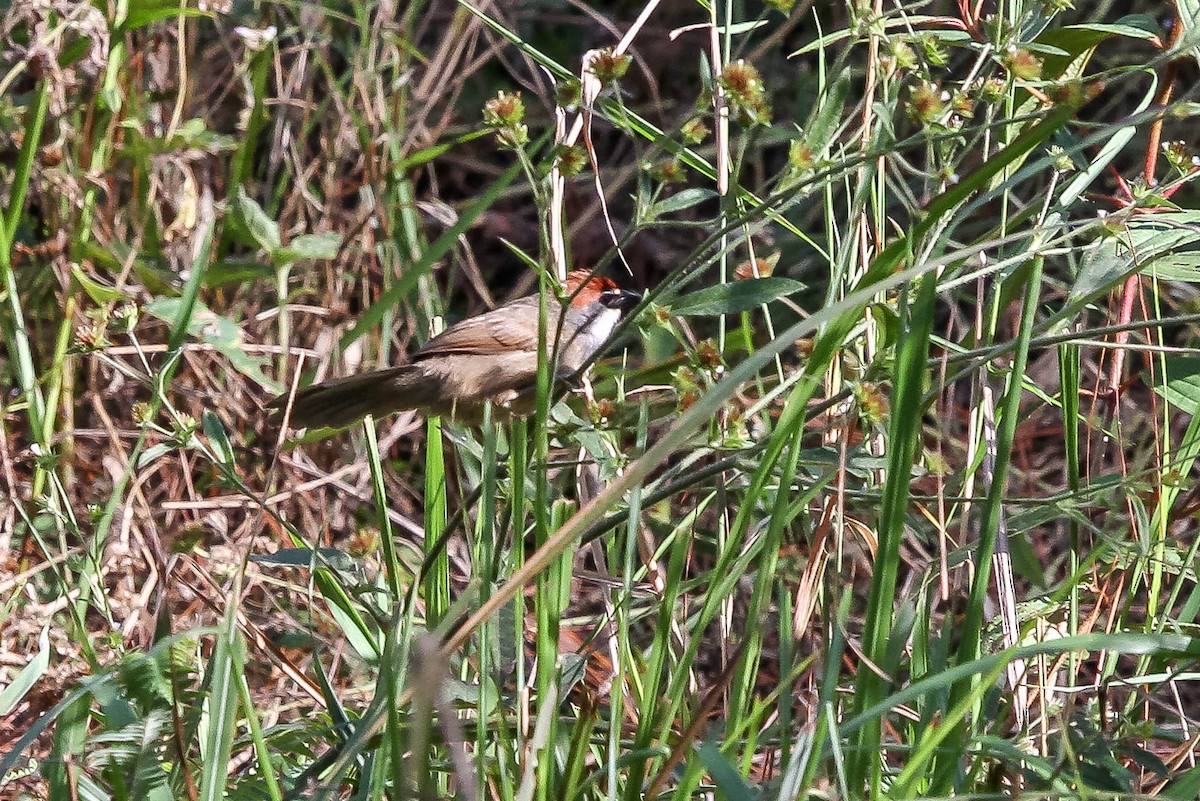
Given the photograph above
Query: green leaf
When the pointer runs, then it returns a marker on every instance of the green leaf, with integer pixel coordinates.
(27, 676)
(1189, 18)
(1166, 245)
(145, 12)
(827, 116)
(1181, 266)
(1073, 41)
(153, 452)
(733, 297)
(309, 246)
(741, 27)
(1146, 23)
(725, 776)
(428, 154)
(1181, 383)
(887, 322)
(1147, 760)
(221, 705)
(183, 308)
(904, 24)
(333, 558)
(238, 271)
(70, 737)
(190, 135)
(1186, 787)
(100, 293)
(115, 255)
(262, 228)
(572, 668)
(679, 201)
(215, 431)
(194, 134)
(221, 333)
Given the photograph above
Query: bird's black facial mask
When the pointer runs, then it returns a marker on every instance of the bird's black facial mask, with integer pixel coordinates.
(619, 299)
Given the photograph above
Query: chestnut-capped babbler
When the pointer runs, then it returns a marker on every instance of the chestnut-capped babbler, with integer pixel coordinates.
(490, 357)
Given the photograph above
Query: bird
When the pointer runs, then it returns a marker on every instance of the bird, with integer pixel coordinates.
(491, 357)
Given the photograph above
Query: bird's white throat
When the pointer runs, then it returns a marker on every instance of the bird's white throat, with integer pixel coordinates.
(595, 332)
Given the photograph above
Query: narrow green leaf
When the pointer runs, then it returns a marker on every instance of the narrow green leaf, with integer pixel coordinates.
(1189, 18)
(238, 271)
(214, 429)
(1074, 41)
(222, 706)
(827, 116)
(679, 201)
(741, 27)
(186, 302)
(262, 228)
(153, 452)
(428, 154)
(99, 292)
(333, 558)
(737, 296)
(1181, 384)
(145, 12)
(1166, 244)
(724, 775)
(222, 333)
(907, 23)
(310, 246)
(70, 736)
(1186, 787)
(27, 676)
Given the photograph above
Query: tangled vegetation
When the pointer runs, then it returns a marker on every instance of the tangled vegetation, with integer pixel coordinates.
(885, 491)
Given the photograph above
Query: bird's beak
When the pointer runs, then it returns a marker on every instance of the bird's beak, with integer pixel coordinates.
(626, 300)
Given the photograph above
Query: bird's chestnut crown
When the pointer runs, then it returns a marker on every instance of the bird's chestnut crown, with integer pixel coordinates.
(583, 287)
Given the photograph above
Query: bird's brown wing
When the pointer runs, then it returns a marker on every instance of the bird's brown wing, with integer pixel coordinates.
(507, 328)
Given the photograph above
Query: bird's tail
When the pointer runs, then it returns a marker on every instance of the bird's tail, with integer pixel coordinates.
(343, 401)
